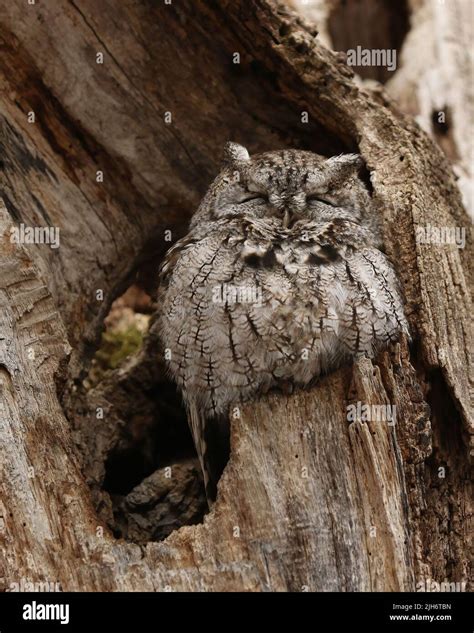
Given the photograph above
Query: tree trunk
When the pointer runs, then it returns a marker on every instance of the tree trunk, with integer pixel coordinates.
(310, 499)
(434, 63)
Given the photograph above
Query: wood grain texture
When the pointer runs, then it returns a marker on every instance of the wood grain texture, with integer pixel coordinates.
(294, 533)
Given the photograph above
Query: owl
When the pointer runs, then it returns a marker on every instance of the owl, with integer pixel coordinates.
(280, 279)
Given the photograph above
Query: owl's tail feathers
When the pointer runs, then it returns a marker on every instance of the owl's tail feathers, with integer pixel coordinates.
(211, 439)
(197, 425)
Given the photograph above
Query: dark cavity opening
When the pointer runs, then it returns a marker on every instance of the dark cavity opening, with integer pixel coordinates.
(137, 452)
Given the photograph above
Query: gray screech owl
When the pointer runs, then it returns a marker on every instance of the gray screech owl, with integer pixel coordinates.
(279, 279)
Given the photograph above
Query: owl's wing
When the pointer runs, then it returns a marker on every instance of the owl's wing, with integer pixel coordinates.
(171, 258)
(359, 298)
(191, 325)
(374, 313)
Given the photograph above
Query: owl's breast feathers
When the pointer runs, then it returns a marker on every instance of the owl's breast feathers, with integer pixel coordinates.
(247, 303)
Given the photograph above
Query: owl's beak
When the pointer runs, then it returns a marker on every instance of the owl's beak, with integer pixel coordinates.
(289, 218)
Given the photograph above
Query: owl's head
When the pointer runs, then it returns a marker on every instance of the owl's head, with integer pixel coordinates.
(289, 185)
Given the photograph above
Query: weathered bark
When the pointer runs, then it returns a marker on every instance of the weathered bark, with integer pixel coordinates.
(434, 63)
(440, 94)
(308, 499)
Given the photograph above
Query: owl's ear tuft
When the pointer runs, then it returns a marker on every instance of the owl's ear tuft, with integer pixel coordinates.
(346, 162)
(234, 153)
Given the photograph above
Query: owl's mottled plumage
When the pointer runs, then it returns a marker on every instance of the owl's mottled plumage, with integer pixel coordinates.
(279, 279)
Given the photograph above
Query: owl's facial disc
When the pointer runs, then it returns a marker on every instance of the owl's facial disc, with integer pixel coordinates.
(290, 185)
